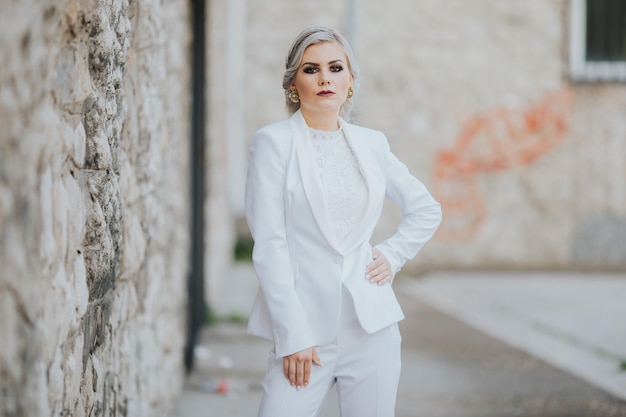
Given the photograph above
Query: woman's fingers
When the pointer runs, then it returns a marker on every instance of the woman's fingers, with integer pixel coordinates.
(307, 374)
(293, 368)
(380, 279)
(316, 359)
(297, 367)
(379, 271)
(286, 366)
(300, 374)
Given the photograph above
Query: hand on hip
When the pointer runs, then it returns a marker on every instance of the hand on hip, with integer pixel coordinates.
(379, 271)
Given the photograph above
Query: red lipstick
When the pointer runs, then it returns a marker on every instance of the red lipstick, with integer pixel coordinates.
(325, 93)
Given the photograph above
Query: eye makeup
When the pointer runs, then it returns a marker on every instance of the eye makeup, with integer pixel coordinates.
(312, 68)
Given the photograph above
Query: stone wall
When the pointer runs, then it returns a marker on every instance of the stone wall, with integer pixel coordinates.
(476, 98)
(94, 99)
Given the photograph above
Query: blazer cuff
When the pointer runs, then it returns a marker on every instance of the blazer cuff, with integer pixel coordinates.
(285, 348)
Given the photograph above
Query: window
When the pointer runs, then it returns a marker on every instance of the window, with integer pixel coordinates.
(598, 40)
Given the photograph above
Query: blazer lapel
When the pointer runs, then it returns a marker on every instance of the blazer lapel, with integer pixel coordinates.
(312, 183)
(311, 180)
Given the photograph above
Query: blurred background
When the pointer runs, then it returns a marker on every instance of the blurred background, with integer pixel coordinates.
(123, 149)
(485, 102)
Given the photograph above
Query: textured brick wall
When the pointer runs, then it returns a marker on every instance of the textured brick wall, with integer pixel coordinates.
(93, 205)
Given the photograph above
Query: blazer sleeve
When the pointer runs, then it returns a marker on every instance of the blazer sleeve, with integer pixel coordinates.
(421, 214)
(265, 214)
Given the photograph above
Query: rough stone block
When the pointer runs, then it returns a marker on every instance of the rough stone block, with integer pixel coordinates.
(73, 82)
(134, 251)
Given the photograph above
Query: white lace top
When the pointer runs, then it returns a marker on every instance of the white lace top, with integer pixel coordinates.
(342, 181)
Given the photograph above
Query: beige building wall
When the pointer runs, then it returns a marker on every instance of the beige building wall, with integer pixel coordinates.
(488, 117)
(222, 114)
(93, 206)
(476, 98)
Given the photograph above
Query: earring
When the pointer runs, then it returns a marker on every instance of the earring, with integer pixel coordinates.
(293, 96)
(350, 92)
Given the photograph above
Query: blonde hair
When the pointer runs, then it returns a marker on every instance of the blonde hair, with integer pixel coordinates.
(308, 37)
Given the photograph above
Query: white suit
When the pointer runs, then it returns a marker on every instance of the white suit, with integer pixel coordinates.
(313, 290)
(299, 263)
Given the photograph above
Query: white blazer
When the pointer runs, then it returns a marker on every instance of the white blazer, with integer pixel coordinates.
(299, 262)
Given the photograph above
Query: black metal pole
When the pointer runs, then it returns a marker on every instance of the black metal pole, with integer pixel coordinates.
(195, 283)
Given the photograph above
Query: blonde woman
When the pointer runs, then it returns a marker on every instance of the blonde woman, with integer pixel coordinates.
(315, 190)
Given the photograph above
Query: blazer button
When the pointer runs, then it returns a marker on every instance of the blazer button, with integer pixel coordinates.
(338, 260)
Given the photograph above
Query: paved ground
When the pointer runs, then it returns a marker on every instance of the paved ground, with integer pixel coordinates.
(449, 367)
(576, 322)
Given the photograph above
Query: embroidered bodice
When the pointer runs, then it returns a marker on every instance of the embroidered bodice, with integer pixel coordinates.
(343, 184)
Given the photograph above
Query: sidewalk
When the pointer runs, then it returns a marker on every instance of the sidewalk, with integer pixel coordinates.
(575, 323)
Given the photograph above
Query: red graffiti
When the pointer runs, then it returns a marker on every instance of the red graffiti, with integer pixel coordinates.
(496, 141)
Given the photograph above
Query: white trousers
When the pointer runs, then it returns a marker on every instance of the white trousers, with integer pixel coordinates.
(364, 367)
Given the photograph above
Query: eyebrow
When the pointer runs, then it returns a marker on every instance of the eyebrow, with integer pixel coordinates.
(317, 65)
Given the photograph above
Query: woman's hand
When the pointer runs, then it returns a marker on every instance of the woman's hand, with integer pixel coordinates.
(379, 271)
(297, 366)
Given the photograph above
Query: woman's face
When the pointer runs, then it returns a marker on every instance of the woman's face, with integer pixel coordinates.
(323, 79)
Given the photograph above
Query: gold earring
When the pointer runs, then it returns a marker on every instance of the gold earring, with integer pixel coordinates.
(350, 92)
(293, 96)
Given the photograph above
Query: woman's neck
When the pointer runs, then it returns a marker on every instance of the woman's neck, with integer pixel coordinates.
(322, 121)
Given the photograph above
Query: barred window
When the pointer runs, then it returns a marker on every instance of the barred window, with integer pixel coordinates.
(598, 40)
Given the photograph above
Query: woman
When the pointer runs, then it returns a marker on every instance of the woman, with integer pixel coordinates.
(314, 193)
